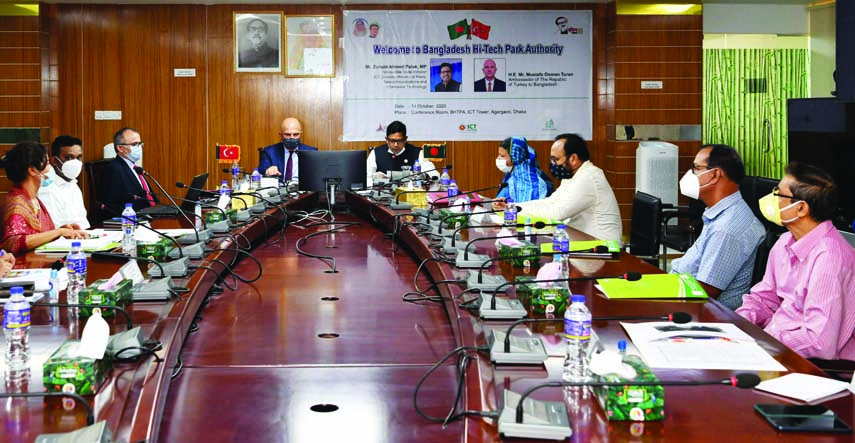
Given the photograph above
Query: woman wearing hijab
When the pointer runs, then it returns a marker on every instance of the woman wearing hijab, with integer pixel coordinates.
(526, 181)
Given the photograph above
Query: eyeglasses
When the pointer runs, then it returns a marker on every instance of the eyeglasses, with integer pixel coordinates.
(396, 142)
(776, 191)
(697, 168)
(445, 72)
(555, 161)
(134, 145)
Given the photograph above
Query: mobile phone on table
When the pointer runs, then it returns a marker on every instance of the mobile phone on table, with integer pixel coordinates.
(802, 418)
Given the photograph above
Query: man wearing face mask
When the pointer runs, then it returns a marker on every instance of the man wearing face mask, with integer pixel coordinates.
(806, 299)
(120, 184)
(395, 154)
(62, 196)
(722, 258)
(583, 199)
(280, 160)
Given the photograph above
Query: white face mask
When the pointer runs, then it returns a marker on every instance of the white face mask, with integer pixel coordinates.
(690, 184)
(71, 168)
(502, 165)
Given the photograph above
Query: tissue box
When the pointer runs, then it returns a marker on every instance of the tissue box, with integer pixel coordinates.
(636, 403)
(119, 296)
(455, 219)
(155, 250)
(243, 202)
(543, 300)
(523, 250)
(63, 372)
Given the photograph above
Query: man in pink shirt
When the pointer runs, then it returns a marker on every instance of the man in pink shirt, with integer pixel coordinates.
(806, 299)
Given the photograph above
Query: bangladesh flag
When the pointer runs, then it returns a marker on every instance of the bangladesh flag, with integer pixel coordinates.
(434, 151)
(458, 30)
(480, 30)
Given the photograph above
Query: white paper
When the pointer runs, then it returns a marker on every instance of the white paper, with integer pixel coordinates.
(698, 345)
(317, 61)
(804, 387)
(40, 276)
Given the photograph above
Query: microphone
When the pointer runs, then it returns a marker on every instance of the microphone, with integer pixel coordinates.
(495, 237)
(434, 206)
(552, 423)
(599, 249)
(229, 171)
(397, 205)
(78, 305)
(136, 223)
(215, 227)
(513, 308)
(443, 220)
(535, 225)
(187, 239)
(139, 170)
(176, 268)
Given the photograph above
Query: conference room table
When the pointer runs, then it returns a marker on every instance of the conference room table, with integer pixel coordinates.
(325, 349)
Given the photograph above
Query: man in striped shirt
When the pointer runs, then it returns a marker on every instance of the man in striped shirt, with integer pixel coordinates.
(806, 299)
(722, 258)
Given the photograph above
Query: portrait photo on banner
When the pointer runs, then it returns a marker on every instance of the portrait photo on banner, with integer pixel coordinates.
(309, 39)
(446, 74)
(489, 72)
(258, 42)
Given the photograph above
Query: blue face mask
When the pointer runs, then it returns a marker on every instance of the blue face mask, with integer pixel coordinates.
(48, 177)
(136, 153)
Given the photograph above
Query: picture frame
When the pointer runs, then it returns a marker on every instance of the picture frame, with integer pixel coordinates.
(310, 43)
(258, 41)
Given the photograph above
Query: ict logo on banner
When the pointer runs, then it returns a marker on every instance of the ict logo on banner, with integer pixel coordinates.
(549, 125)
(468, 127)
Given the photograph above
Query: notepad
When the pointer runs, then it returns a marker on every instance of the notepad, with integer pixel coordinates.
(653, 286)
(62, 245)
(804, 387)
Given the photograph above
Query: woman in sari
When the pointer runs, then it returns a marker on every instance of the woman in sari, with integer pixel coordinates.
(26, 223)
(526, 181)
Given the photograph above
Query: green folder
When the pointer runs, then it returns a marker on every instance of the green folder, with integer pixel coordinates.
(653, 286)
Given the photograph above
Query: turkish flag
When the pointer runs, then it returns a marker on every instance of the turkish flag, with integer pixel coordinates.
(480, 30)
(228, 153)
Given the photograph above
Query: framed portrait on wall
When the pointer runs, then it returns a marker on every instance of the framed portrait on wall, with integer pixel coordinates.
(309, 41)
(258, 42)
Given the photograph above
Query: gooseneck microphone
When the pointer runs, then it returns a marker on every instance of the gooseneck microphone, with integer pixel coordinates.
(629, 276)
(742, 381)
(204, 205)
(138, 224)
(139, 170)
(125, 313)
(599, 249)
(434, 206)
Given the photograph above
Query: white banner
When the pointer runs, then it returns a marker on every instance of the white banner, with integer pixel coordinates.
(468, 75)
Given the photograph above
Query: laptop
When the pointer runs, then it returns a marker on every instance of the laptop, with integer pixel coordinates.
(186, 205)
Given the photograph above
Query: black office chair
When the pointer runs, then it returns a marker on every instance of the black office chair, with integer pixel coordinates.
(645, 227)
(94, 171)
(753, 189)
(839, 369)
(681, 236)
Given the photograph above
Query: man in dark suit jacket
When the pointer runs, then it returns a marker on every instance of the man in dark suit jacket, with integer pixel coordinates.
(489, 83)
(120, 184)
(447, 84)
(274, 159)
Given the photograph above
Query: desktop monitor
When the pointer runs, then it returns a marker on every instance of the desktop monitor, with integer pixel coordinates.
(345, 168)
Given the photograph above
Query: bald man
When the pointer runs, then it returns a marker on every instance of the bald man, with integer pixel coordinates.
(489, 83)
(280, 160)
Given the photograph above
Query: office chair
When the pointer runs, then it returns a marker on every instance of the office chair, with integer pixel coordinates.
(681, 237)
(94, 171)
(645, 227)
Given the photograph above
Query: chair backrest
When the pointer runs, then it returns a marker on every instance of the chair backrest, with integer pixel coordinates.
(94, 171)
(646, 225)
(850, 237)
(752, 190)
(762, 257)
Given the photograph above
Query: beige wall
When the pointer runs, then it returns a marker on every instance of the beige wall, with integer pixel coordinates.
(822, 47)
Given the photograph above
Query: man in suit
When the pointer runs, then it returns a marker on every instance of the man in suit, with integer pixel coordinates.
(280, 159)
(489, 83)
(120, 184)
(447, 84)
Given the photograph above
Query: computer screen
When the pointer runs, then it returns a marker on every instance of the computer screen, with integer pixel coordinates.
(347, 168)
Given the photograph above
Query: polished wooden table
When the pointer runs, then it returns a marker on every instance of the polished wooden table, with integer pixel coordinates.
(306, 355)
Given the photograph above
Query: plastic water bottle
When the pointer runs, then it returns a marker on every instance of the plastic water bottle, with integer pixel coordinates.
(444, 180)
(235, 175)
(129, 226)
(510, 212)
(224, 188)
(417, 179)
(76, 265)
(255, 182)
(466, 203)
(16, 326)
(577, 333)
(560, 240)
(529, 230)
(53, 297)
(197, 212)
(452, 192)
